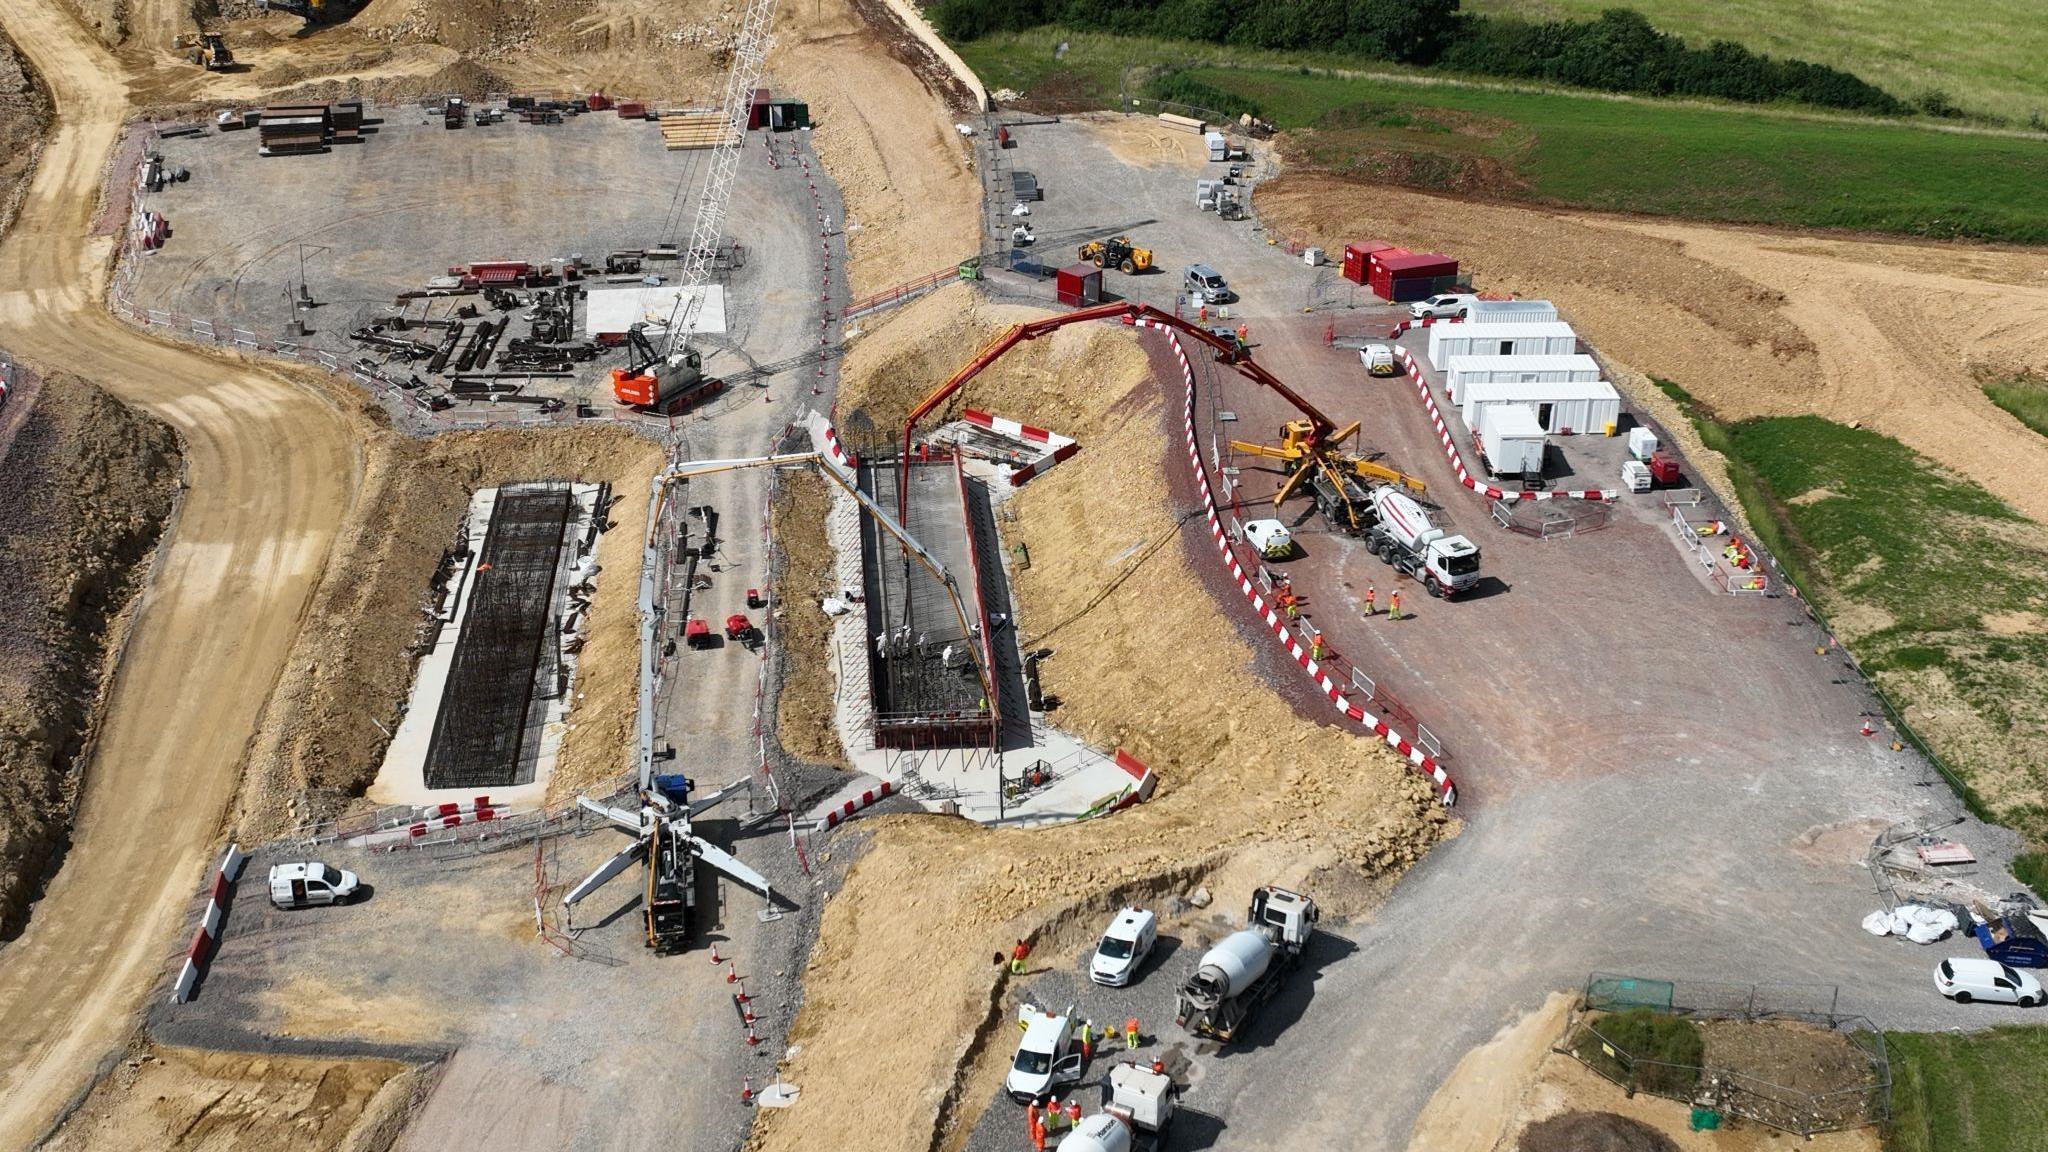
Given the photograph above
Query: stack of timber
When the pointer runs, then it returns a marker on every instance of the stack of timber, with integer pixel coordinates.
(696, 128)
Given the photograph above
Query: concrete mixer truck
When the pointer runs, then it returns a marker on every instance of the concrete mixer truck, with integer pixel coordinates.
(1401, 534)
(1133, 1117)
(1247, 967)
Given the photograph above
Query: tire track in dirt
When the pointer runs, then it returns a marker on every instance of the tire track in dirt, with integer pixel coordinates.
(271, 470)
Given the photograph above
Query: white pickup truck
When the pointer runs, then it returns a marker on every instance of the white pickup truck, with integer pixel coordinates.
(1443, 307)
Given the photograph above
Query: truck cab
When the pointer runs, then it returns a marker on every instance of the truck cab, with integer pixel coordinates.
(1444, 306)
(1404, 537)
(1047, 1057)
(311, 884)
(1287, 918)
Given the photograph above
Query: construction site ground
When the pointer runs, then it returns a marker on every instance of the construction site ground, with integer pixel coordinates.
(365, 222)
(1657, 778)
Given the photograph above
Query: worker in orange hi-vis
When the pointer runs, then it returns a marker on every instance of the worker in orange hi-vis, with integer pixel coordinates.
(1073, 1113)
(1242, 332)
(1131, 1032)
(1372, 596)
(1087, 1040)
(1017, 956)
(1315, 647)
(1394, 605)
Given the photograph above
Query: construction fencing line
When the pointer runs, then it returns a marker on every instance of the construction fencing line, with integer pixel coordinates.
(207, 938)
(1275, 622)
(1443, 435)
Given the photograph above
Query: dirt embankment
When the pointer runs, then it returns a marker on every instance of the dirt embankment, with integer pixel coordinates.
(24, 117)
(187, 1100)
(803, 706)
(317, 749)
(89, 486)
(1250, 793)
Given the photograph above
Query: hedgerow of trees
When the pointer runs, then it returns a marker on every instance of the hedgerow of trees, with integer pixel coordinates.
(1618, 52)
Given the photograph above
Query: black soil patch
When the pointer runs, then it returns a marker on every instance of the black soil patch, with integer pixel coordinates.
(1593, 1132)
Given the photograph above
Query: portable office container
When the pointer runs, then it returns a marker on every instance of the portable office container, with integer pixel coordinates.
(1511, 312)
(1463, 370)
(1448, 340)
(1511, 440)
(1079, 285)
(1562, 409)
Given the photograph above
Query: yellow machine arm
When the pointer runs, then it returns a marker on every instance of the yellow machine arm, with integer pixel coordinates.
(1372, 471)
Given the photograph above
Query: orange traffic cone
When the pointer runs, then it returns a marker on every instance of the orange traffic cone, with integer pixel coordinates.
(746, 1090)
(732, 975)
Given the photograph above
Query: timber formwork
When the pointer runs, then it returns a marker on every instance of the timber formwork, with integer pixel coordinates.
(506, 653)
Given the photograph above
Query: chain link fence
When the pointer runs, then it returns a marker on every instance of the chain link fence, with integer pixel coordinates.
(1783, 1055)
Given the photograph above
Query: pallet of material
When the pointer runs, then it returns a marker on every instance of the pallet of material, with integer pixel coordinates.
(1183, 123)
(700, 129)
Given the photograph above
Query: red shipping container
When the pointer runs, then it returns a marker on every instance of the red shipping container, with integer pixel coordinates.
(1357, 257)
(757, 110)
(1384, 268)
(1079, 285)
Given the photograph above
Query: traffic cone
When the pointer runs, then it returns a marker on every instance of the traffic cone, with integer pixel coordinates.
(746, 1090)
(747, 1013)
(741, 995)
(1867, 729)
(732, 975)
(751, 1038)
(714, 955)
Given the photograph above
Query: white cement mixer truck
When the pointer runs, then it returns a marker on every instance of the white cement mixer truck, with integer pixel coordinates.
(1402, 535)
(1246, 967)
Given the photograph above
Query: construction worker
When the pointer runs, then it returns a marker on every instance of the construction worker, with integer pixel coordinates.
(1131, 1032)
(1315, 647)
(1242, 332)
(1087, 1040)
(1372, 595)
(1073, 1113)
(1017, 956)
(1394, 605)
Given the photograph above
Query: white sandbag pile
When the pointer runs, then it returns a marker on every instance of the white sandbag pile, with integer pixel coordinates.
(1916, 922)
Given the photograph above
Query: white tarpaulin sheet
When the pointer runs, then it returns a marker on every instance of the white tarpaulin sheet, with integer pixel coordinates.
(611, 311)
(1916, 922)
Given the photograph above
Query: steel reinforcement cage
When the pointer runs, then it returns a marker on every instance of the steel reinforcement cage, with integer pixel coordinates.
(1729, 1090)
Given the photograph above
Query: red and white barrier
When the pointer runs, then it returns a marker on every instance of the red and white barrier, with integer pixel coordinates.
(1443, 435)
(469, 813)
(455, 807)
(875, 795)
(1422, 761)
(1058, 447)
(1426, 321)
(200, 953)
(1144, 781)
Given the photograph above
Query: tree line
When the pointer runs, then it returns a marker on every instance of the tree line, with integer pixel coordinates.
(1618, 52)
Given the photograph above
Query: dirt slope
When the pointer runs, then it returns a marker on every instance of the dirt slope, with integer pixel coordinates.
(24, 116)
(91, 484)
(271, 471)
(1250, 794)
(1753, 323)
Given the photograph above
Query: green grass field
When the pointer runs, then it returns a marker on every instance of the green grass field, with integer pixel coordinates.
(1987, 57)
(1734, 164)
(1968, 1092)
(1932, 570)
(2025, 396)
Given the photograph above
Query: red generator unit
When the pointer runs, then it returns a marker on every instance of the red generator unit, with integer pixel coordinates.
(1396, 274)
(1358, 256)
(1079, 285)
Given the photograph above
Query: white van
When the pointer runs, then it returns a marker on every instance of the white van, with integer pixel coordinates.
(311, 884)
(1963, 979)
(1379, 360)
(1125, 944)
(1205, 285)
(1046, 1057)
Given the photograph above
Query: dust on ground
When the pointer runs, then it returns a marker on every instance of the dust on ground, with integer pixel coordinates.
(1249, 794)
(91, 484)
(191, 1100)
(1514, 1094)
(317, 750)
(803, 706)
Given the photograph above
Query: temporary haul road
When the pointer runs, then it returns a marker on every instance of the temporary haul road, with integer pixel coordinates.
(271, 470)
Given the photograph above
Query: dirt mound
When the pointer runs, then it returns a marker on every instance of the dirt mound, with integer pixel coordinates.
(803, 705)
(24, 117)
(1250, 793)
(1593, 1132)
(317, 750)
(188, 1100)
(91, 484)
